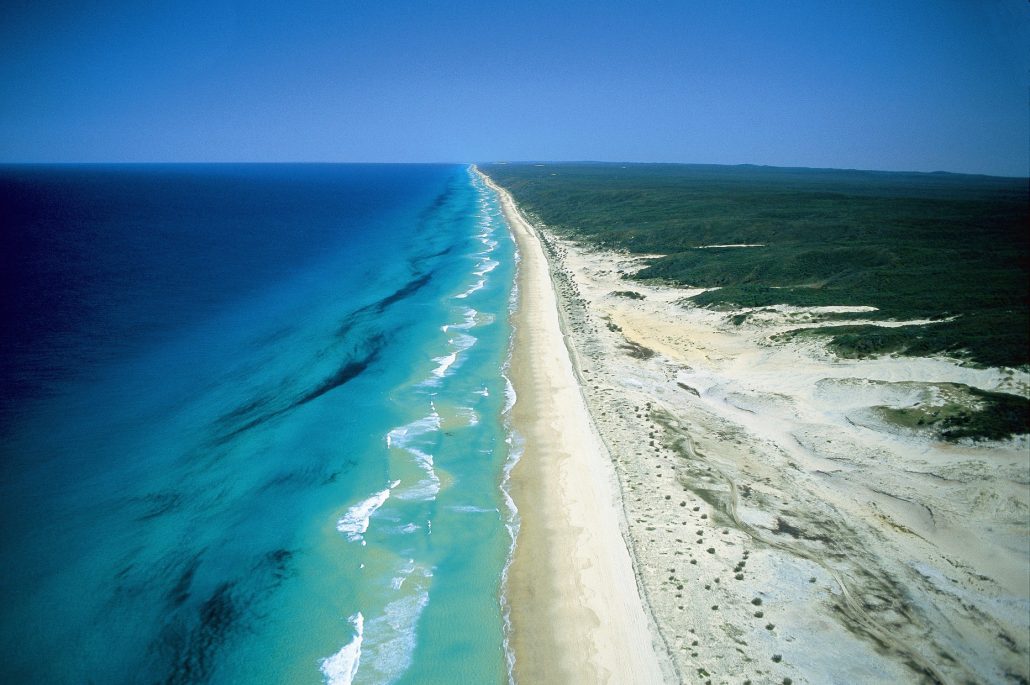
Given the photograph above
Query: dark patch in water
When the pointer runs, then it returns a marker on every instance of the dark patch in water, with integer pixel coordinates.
(407, 291)
(193, 650)
(358, 316)
(298, 480)
(244, 410)
(346, 373)
(218, 611)
(180, 592)
(347, 325)
(284, 479)
(189, 645)
(438, 202)
(279, 562)
(262, 409)
(273, 337)
(253, 423)
(159, 504)
(343, 375)
(441, 253)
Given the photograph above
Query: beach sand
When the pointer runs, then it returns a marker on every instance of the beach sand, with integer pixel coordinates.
(576, 614)
(780, 526)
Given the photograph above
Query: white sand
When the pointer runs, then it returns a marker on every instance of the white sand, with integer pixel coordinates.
(576, 613)
(756, 470)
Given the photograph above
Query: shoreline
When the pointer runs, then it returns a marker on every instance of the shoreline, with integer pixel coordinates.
(781, 526)
(575, 610)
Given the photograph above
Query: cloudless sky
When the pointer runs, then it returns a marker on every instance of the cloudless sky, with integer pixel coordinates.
(900, 85)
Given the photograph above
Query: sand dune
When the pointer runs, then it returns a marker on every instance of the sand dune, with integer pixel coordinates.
(782, 526)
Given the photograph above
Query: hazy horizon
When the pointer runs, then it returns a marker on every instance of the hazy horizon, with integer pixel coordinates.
(486, 161)
(909, 86)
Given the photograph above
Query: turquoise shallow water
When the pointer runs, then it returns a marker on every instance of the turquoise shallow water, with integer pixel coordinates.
(253, 425)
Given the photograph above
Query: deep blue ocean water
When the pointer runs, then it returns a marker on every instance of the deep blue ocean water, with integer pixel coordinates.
(252, 424)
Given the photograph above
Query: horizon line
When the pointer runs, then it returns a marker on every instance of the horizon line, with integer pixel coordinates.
(936, 172)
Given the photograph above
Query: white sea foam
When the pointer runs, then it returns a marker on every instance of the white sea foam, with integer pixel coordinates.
(423, 459)
(443, 363)
(472, 509)
(478, 285)
(404, 571)
(402, 437)
(513, 522)
(509, 396)
(426, 489)
(513, 299)
(469, 321)
(340, 668)
(392, 636)
(461, 343)
(355, 521)
(515, 449)
(470, 415)
(486, 266)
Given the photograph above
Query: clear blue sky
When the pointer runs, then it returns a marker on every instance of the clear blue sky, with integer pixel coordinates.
(900, 85)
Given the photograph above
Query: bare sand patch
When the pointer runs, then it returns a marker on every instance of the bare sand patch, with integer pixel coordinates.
(576, 614)
(783, 522)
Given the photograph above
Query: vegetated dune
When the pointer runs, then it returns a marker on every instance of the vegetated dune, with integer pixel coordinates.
(794, 514)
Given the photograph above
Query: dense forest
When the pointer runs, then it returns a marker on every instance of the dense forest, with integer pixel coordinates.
(947, 247)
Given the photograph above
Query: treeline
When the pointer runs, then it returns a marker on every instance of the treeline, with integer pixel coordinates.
(948, 247)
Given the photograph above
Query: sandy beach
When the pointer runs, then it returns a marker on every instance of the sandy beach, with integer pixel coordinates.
(781, 527)
(576, 614)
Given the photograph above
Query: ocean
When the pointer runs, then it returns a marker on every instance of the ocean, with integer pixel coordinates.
(253, 424)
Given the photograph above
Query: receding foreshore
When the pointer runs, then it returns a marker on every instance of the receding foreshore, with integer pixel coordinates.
(576, 614)
(784, 523)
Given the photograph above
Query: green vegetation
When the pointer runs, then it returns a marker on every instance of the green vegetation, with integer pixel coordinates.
(965, 412)
(995, 338)
(945, 247)
(1002, 416)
